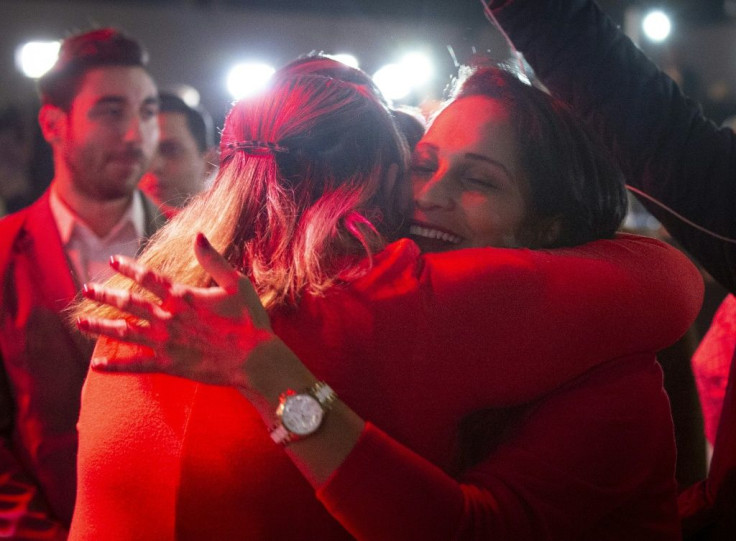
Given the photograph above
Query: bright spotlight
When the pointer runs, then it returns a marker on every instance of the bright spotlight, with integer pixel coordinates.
(347, 59)
(247, 79)
(657, 25)
(418, 67)
(393, 81)
(37, 57)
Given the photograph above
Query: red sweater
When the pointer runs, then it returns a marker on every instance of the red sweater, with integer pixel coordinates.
(414, 347)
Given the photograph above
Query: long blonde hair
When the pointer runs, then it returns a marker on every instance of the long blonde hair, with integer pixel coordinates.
(300, 196)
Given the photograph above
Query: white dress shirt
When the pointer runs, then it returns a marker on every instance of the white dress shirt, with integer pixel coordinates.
(90, 254)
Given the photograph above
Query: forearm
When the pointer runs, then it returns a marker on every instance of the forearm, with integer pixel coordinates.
(575, 308)
(588, 62)
(273, 368)
(544, 479)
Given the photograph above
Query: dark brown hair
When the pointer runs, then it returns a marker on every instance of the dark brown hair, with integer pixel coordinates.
(573, 180)
(81, 53)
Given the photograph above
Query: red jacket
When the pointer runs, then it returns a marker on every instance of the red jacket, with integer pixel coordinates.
(414, 347)
(43, 364)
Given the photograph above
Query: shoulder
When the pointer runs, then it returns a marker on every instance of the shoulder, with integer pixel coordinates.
(396, 262)
(13, 225)
(108, 348)
(33, 218)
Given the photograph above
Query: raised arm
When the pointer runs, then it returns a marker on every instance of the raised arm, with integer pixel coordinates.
(660, 138)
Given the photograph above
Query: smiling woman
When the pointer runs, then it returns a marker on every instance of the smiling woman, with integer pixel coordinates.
(503, 165)
(469, 190)
(275, 433)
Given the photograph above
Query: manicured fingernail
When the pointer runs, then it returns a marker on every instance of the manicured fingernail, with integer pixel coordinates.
(202, 241)
(114, 262)
(88, 291)
(82, 324)
(97, 362)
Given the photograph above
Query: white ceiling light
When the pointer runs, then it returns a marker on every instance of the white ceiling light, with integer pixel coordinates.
(656, 25)
(347, 59)
(418, 67)
(394, 81)
(247, 79)
(37, 57)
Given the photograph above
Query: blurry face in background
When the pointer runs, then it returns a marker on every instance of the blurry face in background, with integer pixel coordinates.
(469, 190)
(109, 134)
(178, 169)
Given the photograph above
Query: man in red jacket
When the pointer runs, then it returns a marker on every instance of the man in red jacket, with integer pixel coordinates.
(99, 113)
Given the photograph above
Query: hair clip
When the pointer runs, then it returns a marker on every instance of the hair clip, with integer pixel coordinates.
(257, 147)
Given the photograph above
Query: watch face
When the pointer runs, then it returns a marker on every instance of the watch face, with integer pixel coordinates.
(301, 414)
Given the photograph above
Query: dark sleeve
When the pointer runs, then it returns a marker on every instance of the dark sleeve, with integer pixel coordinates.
(24, 513)
(660, 138)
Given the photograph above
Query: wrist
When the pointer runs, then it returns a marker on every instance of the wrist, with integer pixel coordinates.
(271, 369)
(300, 414)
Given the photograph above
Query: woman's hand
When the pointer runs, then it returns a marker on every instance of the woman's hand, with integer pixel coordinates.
(219, 335)
(205, 334)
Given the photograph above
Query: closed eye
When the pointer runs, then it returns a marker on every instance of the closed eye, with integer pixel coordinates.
(482, 183)
(107, 111)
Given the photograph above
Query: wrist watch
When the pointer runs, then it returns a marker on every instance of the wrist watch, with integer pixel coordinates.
(301, 414)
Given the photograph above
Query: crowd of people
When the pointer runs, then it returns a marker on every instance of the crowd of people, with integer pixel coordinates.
(347, 322)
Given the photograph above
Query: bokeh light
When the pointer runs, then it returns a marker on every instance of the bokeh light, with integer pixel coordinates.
(248, 78)
(656, 25)
(37, 57)
(393, 81)
(345, 58)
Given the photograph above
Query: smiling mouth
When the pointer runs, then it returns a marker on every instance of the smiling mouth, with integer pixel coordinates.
(429, 232)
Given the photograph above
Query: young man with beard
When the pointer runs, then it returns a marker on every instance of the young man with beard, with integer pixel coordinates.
(99, 114)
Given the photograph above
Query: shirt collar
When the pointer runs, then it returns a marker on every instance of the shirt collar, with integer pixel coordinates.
(66, 219)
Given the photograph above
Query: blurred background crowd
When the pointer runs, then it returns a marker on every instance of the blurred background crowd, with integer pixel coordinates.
(211, 52)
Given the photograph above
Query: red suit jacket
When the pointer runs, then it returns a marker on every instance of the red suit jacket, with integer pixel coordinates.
(43, 365)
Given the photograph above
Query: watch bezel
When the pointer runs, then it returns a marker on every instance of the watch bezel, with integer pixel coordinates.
(293, 412)
(292, 405)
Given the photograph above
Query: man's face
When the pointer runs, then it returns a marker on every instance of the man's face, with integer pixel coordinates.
(111, 131)
(178, 168)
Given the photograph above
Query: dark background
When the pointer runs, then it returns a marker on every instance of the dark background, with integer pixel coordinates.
(195, 42)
